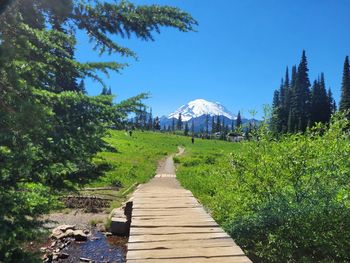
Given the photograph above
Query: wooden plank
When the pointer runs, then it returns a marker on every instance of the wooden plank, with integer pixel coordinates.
(200, 243)
(170, 225)
(229, 259)
(174, 230)
(184, 253)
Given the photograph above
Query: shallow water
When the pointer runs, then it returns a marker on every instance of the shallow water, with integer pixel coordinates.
(98, 249)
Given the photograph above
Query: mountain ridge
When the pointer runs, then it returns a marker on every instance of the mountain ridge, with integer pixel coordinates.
(199, 107)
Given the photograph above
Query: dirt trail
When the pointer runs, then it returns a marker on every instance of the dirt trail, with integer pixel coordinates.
(82, 219)
(166, 166)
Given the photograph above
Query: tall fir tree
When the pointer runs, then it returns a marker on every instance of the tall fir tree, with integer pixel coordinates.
(239, 120)
(186, 129)
(345, 87)
(301, 97)
(179, 124)
(173, 125)
(276, 118)
(207, 124)
(218, 124)
(150, 120)
(192, 127)
(213, 127)
(232, 125)
(157, 124)
(285, 102)
(331, 102)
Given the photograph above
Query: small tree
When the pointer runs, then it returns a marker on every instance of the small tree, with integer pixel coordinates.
(179, 122)
(239, 120)
(186, 129)
(156, 124)
(345, 88)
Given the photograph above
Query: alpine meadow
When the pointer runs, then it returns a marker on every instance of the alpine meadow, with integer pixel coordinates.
(114, 147)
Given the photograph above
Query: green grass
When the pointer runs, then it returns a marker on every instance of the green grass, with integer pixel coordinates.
(134, 160)
(203, 170)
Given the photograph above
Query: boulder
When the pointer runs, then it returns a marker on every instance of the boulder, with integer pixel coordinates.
(79, 235)
(58, 231)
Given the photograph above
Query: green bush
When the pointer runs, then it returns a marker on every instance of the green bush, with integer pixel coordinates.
(285, 200)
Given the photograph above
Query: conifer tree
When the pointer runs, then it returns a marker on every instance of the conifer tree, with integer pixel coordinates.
(285, 103)
(213, 127)
(345, 87)
(218, 124)
(207, 124)
(104, 91)
(186, 129)
(157, 124)
(109, 91)
(300, 100)
(192, 127)
(81, 87)
(179, 124)
(239, 120)
(331, 102)
(150, 120)
(232, 125)
(173, 125)
(275, 118)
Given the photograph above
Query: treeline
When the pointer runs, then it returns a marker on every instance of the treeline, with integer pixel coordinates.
(297, 104)
(214, 126)
(50, 129)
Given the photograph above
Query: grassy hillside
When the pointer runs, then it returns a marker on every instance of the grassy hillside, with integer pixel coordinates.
(135, 158)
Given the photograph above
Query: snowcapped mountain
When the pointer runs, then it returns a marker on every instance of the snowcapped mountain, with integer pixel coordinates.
(200, 107)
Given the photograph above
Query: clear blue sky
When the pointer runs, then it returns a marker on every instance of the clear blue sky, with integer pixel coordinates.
(238, 55)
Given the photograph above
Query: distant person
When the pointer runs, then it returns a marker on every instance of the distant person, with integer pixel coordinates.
(192, 140)
(130, 133)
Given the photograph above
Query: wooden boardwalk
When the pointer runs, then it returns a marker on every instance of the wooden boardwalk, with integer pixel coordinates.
(169, 225)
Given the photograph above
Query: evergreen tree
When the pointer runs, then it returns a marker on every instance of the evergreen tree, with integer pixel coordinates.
(173, 125)
(192, 127)
(218, 124)
(81, 86)
(238, 120)
(285, 93)
(276, 116)
(104, 91)
(213, 127)
(109, 91)
(186, 129)
(179, 124)
(207, 124)
(300, 100)
(232, 125)
(157, 124)
(345, 87)
(150, 120)
(331, 102)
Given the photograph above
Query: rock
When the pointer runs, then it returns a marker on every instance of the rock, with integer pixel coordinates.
(68, 233)
(86, 260)
(64, 228)
(86, 231)
(120, 225)
(79, 235)
(55, 256)
(108, 234)
(43, 249)
(58, 231)
(101, 227)
(63, 255)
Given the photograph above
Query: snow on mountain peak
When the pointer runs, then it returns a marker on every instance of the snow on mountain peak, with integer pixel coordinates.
(199, 107)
